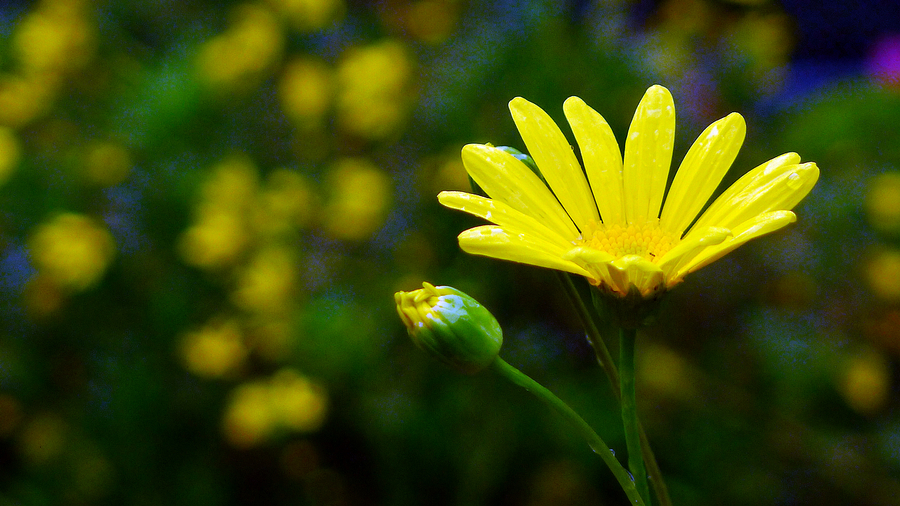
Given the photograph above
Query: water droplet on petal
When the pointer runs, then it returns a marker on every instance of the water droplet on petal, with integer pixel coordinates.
(793, 181)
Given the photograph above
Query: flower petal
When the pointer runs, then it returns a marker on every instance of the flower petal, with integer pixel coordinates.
(648, 154)
(508, 180)
(495, 242)
(688, 248)
(602, 159)
(594, 261)
(779, 188)
(500, 214)
(751, 229)
(554, 156)
(702, 170)
(638, 271)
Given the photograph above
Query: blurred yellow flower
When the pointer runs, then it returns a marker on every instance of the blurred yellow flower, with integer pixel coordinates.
(611, 226)
(72, 250)
(221, 233)
(865, 382)
(450, 174)
(232, 183)
(249, 418)
(55, 37)
(665, 372)
(10, 153)
(298, 403)
(309, 15)
(266, 285)
(107, 163)
(245, 53)
(360, 196)
(883, 274)
(42, 438)
(882, 202)
(217, 350)
(764, 39)
(286, 203)
(287, 401)
(25, 98)
(306, 90)
(432, 21)
(217, 238)
(374, 89)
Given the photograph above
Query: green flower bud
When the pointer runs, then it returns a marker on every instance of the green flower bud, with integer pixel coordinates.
(451, 326)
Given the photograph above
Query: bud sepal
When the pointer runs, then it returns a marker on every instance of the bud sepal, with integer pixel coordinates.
(451, 326)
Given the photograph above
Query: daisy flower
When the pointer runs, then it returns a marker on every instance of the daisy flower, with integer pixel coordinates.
(609, 221)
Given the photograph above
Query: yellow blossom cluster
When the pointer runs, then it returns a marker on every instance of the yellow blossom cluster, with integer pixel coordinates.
(106, 163)
(214, 351)
(370, 90)
(882, 202)
(10, 153)
(865, 381)
(71, 251)
(309, 15)
(288, 401)
(245, 54)
(374, 89)
(244, 229)
(51, 42)
(359, 199)
(759, 39)
(306, 89)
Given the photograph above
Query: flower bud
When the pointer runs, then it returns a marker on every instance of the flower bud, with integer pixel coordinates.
(451, 326)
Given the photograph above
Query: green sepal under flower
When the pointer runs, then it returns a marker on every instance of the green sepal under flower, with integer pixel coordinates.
(451, 326)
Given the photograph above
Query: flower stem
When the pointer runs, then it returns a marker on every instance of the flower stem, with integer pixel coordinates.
(627, 338)
(606, 363)
(574, 419)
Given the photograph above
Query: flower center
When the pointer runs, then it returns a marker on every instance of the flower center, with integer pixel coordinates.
(646, 239)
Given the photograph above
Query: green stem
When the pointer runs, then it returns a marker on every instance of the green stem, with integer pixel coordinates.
(606, 363)
(627, 338)
(593, 440)
(593, 334)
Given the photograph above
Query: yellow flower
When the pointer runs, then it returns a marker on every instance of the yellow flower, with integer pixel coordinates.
(359, 200)
(72, 250)
(215, 351)
(374, 89)
(612, 227)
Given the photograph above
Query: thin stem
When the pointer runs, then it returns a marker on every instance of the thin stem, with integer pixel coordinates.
(593, 440)
(627, 338)
(593, 334)
(606, 363)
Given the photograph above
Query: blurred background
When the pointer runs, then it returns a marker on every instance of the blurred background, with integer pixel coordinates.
(206, 207)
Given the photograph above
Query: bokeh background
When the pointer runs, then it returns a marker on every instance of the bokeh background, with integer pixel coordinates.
(205, 209)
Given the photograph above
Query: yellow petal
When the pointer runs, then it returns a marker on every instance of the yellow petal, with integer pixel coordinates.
(508, 180)
(594, 261)
(556, 160)
(688, 248)
(500, 214)
(751, 229)
(638, 271)
(648, 154)
(702, 170)
(772, 190)
(495, 242)
(602, 159)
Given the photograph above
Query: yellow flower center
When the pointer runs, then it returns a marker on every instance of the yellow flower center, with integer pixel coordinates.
(646, 239)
